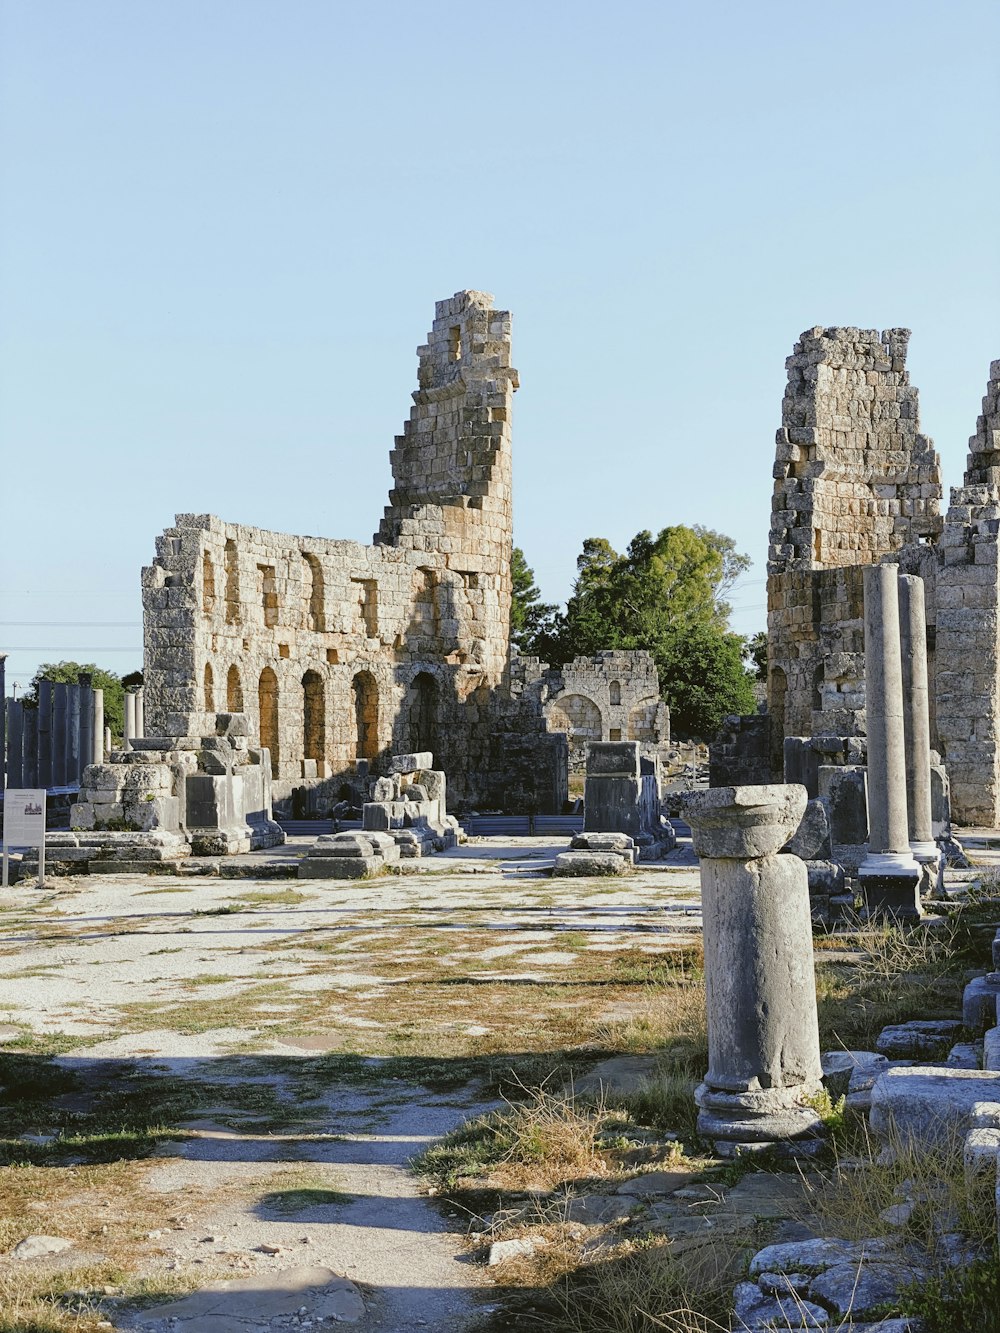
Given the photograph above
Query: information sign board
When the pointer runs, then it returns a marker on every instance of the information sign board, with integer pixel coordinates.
(24, 824)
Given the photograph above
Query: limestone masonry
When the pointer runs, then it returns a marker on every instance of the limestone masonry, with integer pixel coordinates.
(856, 484)
(339, 652)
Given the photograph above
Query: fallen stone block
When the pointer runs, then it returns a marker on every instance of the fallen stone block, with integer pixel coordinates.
(841, 1067)
(991, 1048)
(928, 1105)
(981, 1153)
(979, 1003)
(411, 763)
(861, 1288)
(965, 1055)
(921, 1039)
(753, 1310)
(592, 863)
(340, 867)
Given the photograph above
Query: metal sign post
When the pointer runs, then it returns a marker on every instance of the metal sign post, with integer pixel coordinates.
(24, 825)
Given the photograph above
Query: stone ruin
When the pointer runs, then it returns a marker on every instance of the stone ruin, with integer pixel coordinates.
(340, 653)
(622, 823)
(858, 486)
(165, 799)
(405, 817)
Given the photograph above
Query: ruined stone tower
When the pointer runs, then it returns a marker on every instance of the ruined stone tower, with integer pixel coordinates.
(855, 482)
(339, 651)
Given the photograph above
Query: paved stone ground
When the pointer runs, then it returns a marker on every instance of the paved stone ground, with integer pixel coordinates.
(243, 989)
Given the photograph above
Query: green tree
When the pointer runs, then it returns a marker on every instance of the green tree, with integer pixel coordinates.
(531, 619)
(69, 673)
(756, 655)
(666, 594)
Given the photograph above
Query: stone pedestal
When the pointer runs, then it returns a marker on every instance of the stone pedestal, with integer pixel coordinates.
(763, 1034)
(889, 874)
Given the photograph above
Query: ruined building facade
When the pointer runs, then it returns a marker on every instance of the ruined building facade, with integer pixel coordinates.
(857, 483)
(340, 652)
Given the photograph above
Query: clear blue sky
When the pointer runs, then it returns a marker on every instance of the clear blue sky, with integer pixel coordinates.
(225, 223)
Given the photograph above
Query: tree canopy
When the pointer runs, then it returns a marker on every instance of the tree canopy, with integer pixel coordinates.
(666, 594)
(530, 617)
(69, 673)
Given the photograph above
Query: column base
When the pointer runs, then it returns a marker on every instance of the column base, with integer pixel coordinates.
(772, 1119)
(925, 852)
(888, 863)
(891, 897)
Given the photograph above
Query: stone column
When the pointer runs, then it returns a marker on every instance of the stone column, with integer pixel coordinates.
(60, 733)
(140, 714)
(129, 719)
(97, 730)
(889, 874)
(45, 778)
(72, 734)
(763, 1034)
(107, 744)
(916, 717)
(3, 720)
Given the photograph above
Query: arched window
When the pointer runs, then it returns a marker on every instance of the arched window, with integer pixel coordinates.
(232, 584)
(615, 693)
(207, 584)
(234, 691)
(312, 587)
(267, 702)
(313, 716)
(209, 688)
(365, 692)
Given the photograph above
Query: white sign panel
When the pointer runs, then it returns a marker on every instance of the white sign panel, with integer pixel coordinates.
(24, 824)
(24, 817)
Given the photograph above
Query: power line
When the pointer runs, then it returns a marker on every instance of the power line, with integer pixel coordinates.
(67, 648)
(73, 624)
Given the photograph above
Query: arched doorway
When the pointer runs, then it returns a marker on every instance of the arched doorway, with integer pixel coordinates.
(267, 702)
(365, 692)
(313, 717)
(422, 713)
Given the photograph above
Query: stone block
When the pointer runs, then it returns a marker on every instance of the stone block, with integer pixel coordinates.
(340, 867)
(928, 1105)
(979, 1002)
(411, 763)
(764, 819)
(843, 790)
(591, 863)
(613, 759)
(811, 840)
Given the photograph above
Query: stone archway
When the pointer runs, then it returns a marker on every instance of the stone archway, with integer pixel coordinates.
(365, 692)
(313, 717)
(267, 702)
(580, 718)
(422, 702)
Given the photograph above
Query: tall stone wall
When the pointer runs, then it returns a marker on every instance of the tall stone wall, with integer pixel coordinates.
(967, 696)
(855, 482)
(339, 651)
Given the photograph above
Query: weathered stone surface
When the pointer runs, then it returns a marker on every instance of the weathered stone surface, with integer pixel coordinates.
(920, 1039)
(862, 1288)
(928, 1104)
(743, 822)
(979, 1002)
(592, 863)
(811, 840)
(37, 1247)
(753, 1310)
(813, 1256)
(264, 1297)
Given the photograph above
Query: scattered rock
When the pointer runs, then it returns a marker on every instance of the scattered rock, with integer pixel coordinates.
(860, 1288)
(813, 1256)
(918, 1040)
(36, 1247)
(753, 1310)
(598, 1209)
(512, 1249)
(654, 1182)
